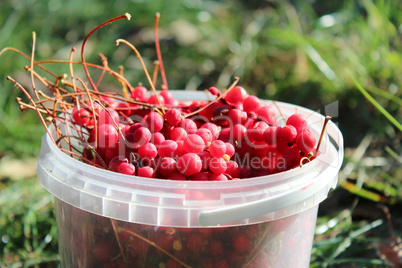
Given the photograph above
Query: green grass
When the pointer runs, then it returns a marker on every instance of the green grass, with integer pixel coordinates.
(311, 54)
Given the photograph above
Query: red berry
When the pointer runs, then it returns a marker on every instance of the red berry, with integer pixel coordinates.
(298, 121)
(230, 149)
(141, 136)
(205, 134)
(256, 133)
(306, 140)
(213, 128)
(82, 117)
(214, 91)
(267, 114)
(140, 94)
(236, 95)
(270, 135)
(153, 121)
(134, 127)
(287, 134)
(189, 164)
(233, 169)
(146, 172)
(189, 125)
(147, 150)
(168, 98)
(237, 116)
(167, 166)
(178, 133)
(108, 116)
(193, 143)
(217, 177)
(126, 168)
(173, 117)
(107, 135)
(217, 148)
(251, 104)
(154, 100)
(167, 148)
(157, 138)
(217, 165)
(205, 156)
(238, 132)
(194, 242)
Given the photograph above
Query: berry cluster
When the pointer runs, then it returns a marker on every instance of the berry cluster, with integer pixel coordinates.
(234, 136)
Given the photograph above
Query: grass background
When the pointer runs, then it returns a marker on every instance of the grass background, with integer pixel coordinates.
(310, 53)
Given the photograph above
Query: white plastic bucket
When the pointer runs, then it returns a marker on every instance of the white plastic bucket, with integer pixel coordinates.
(106, 219)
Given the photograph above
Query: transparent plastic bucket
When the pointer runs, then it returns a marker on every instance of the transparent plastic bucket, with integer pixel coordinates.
(106, 219)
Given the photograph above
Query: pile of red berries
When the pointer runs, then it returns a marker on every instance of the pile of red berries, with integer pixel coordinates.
(233, 136)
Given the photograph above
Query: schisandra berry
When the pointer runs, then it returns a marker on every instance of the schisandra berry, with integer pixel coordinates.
(157, 138)
(205, 156)
(167, 148)
(167, 166)
(306, 140)
(237, 116)
(217, 148)
(256, 133)
(217, 177)
(126, 168)
(189, 125)
(287, 134)
(82, 116)
(241, 243)
(181, 149)
(153, 121)
(267, 114)
(215, 130)
(270, 135)
(233, 169)
(205, 134)
(154, 100)
(147, 172)
(168, 97)
(107, 135)
(147, 150)
(108, 116)
(214, 91)
(134, 127)
(141, 136)
(189, 164)
(178, 133)
(193, 143)
(298, 121)
(140, 94)
(236, 95)
(217, 165)
(173, 117)
(238, 132)
(230, 149)
(115, 162)
(251, 104)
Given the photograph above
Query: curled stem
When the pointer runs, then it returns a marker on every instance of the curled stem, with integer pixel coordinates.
(118, 41)
(158, 51)
(125, 16)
